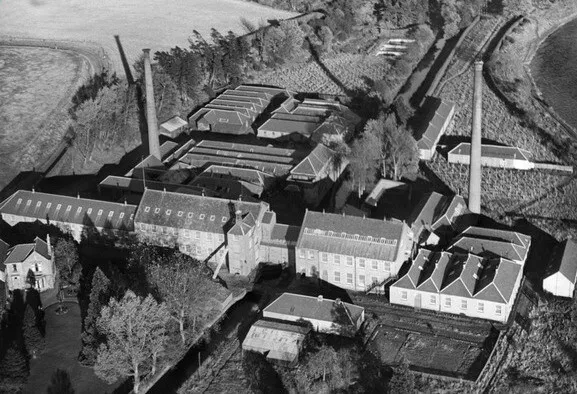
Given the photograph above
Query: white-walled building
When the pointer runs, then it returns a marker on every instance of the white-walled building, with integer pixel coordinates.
(493, 156)
(25, 260)
(562, 275)
(325, 315)
(351, 252)
(482, 281)
(440, 118)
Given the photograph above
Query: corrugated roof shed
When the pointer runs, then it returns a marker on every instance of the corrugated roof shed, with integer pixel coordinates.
(351, 235)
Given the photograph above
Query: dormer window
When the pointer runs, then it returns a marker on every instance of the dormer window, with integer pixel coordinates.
(212, 218)
(57, 207)
(89, 211)
(38, 204)
(19, 201)
(100, 212)
(48, 205)
(79, 210)
(156, 210)
(28, 203)
(168, 212)
(147, 209)
(180, 213)
(68, 208)
(121, 215)
(202, 216)
(189, 215)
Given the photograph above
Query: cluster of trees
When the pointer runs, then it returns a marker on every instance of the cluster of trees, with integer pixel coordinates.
(384, 149)
(66, 260)
(147, 316)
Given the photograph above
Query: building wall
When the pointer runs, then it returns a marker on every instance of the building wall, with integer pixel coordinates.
(318, 325)
(427, 154)
(16, 274)
(278, 254)
(557, 284)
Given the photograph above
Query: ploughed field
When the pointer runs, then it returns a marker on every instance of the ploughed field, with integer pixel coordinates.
(138, 23)
(35, 89)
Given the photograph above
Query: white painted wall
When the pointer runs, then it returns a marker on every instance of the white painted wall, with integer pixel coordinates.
(557, 284)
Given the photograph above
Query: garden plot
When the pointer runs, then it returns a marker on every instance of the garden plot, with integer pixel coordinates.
(138, 23)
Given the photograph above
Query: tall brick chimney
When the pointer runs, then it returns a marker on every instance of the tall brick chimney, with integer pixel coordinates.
(153, 140)
(475, 162)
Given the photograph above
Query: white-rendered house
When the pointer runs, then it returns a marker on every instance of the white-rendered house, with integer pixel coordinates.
(561, 277)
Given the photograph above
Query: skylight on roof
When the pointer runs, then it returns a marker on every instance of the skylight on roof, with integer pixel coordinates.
(156, 210)
(19, 201)
(68, 208)
(212, 218)
(202, 215)
(110, 214)
(147, 209)
(100, 212)
(224, 219)
(189, 215)
(168, 211)
(121, 215)
(38, 204)
(89, 211)
(180, 213)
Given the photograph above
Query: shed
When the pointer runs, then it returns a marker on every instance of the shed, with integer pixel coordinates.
(173, 126)
(562, 275)
(278, 340)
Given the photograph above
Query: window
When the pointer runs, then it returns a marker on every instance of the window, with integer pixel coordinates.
(498, 310)
(57, 207)
(310, 254)
(324, 257)
(337, 276)
(89, 211)
(337, 259)
(20, 201)
(38, 204)
(79, 210)
(382, 240)
(370, 239)
(221, 237)
(448, 302)
(156, 210)
(387, 266)
(404, 295)
(301, 253)
(361, 280)
(14, 268)
(349, 279)
(361, 263)
(121, 215)
(463, 304)
(480, 307)
(186, 233)
(224, 219)
(356, 236)
(375, 265)
(223, 120)
(37, 267)
(331, 233)
(147, 209)
(374, 279)
(48, 205)
(100, 212)
(143, 226)
(68, 208)
(212, 218)
(343, 235)
(30, 202)
(325, 275)
(110, 214)
(189, 215)
(168, 212)
(153, 229)
(180, 213)
(433, 300)
(349, 260)
(196, 235)
(202, 216)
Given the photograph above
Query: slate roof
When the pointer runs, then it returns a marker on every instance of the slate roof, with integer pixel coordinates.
(315, 164)
(493, 151)
(137, 186)
(283, 234)
(564, 260)
(246, 174)
(65, 209)
(241, 155)
(174, 123)
(312, 308)
(185, 211)
(433, 131)
(493, 243)
(333, 233)
(19, 253)
(200, 160)
(285, 126)
(496, 281)
(428, 209)
(232, 146)
(150, 162)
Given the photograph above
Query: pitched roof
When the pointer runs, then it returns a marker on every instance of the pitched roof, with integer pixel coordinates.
(432, 132)
(185, 211)
(428, 209)
(459, 280)
(281, 340)
(564, 260)
(380, 188)
(283, 234)
(285, 126)
(493, 151)
(174, 123)
(493, 243)
(19, 253)
(316, 308)
(233, 146)
(497, 280)
(351, 235)
(315, 164)
(65, 209)
(246, 174)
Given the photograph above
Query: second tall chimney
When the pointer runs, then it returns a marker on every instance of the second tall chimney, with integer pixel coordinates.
(475, 161)
(153, 140)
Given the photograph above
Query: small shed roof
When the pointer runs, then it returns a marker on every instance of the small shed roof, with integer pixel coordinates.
(564, 260)
(174, 123)
(282, 341)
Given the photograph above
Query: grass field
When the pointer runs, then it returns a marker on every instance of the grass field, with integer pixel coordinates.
(34, 85)
(139, 23)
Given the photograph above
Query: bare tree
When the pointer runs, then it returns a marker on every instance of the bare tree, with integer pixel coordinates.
(400, 154)
(135, 330)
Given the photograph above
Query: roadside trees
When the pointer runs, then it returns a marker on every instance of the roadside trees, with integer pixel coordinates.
(135, 330)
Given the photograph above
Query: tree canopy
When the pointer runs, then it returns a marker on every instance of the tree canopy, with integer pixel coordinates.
(60, 383)
(135, 330)
(33, 338)
(66, 261)
(91, 337)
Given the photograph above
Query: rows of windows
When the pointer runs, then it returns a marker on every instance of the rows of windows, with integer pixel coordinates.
(68, 209)
(344, 235)
(348, 260)
(173, 231)
(449, 302)
(189, 215)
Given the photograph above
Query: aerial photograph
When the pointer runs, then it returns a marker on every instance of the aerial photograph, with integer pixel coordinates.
(288, 196)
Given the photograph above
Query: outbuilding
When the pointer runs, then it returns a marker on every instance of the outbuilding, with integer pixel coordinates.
(562, 275)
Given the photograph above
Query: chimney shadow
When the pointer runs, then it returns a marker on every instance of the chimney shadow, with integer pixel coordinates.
(125, 64)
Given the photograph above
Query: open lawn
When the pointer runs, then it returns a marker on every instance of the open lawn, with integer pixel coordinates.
(139, 23)
(35, 85)
(62, 347)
